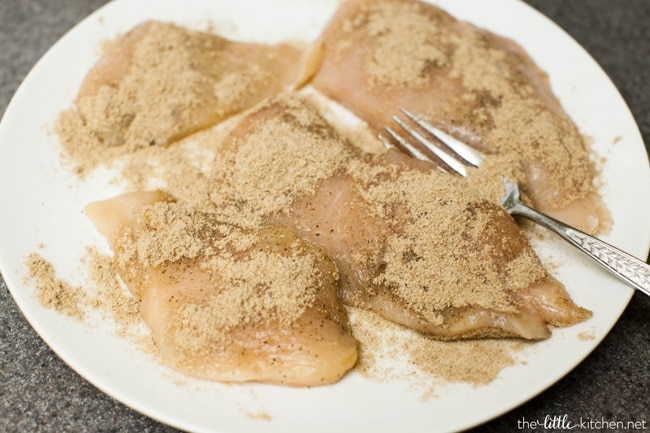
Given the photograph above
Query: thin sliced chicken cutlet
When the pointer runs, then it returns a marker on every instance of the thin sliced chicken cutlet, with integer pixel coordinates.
(377, 57)
(196, 80)
(414, 245)
(225, 303)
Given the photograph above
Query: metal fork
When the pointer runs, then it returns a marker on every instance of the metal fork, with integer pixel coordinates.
(452, 155)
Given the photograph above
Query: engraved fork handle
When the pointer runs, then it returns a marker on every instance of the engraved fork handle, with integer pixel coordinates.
(626, 267)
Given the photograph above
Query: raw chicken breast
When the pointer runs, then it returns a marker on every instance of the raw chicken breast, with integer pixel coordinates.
(225, 303)
(378, 56)
(414, 245)
(160, 82)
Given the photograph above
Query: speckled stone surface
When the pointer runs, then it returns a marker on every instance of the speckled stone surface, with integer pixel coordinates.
(39, 393)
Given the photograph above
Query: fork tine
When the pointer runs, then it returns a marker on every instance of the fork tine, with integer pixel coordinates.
(451, 162)
(468, 154)
(405, 144)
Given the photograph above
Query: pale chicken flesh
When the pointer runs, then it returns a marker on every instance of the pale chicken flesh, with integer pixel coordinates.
(414, 245)
(302, 222)
(377, 57)
(197, 78)
(225, 303)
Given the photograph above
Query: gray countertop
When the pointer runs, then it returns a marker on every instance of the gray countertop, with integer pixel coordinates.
(38, 392)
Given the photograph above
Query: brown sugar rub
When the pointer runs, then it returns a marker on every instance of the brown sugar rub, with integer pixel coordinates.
(226, 303)
(251, 287)
(160, 82)
(52, 292)
(416, 246)
(377, 57)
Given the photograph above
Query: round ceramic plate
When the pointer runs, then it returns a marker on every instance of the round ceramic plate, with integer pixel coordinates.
(45, 215)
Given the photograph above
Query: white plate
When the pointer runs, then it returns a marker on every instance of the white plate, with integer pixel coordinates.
(42, 206)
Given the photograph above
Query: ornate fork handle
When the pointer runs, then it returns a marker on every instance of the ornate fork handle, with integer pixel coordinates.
(626, 267)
